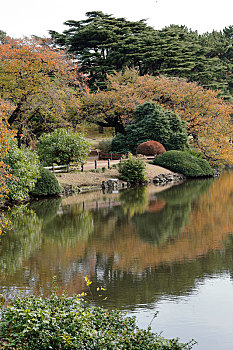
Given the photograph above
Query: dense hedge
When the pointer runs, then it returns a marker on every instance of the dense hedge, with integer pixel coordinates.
(184, 163)
(46, 185)
(59, 322)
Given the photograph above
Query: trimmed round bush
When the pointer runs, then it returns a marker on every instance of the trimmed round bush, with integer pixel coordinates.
(184, 163)
(150, 148)
(46, 185)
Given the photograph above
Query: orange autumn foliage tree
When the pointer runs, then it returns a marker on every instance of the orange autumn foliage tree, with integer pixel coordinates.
(5, 136)
(207, 116)
(115, 107)
(41, 82)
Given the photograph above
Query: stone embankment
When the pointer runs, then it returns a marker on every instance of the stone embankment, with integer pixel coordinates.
(113, 184)
(109, 185)
(163, 179)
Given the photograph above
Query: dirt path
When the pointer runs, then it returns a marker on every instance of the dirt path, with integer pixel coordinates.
(88, 178)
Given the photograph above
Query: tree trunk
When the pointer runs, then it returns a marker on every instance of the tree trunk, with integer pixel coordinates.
(16, 113)
(113, 123)
(119, 128)
(19, 137)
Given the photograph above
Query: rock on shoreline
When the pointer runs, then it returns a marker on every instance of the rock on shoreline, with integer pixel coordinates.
(170, 177)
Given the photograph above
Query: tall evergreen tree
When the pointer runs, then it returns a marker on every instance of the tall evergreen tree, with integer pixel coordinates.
(104, 44)
(185, 56)
(220, 48)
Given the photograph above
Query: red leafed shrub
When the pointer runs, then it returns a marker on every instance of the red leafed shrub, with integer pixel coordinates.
(150, 148)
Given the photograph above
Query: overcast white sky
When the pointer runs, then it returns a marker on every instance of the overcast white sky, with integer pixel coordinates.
(28, 17)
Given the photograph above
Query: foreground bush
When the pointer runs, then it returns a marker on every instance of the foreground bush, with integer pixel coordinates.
(46, 185)
(150, 148)
(59, 322)
(62, 147)
(184, 163)
(24, 166)
(133, 170)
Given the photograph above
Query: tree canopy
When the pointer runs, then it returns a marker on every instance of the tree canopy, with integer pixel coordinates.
(207, 116)
(24, 167)
(152, 122)
(103, 43)
(40, 83)
(115, 107)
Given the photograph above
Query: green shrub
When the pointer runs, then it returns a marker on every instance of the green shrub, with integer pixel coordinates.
(63, 146)
(46, 185)
(24, 166)
(184, 163)
(194, 153)
(120, 144)
(152, 122)
(95, 170)
(59, 322)
(133, 170)
(105, 145)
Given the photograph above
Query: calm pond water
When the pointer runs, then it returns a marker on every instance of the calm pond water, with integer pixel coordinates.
(169, 251)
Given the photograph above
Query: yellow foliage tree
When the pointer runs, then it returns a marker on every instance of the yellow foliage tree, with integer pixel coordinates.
(41, 82)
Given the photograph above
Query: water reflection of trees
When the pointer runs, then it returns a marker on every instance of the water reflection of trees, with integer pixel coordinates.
(134, 201)
(127, 290)
(203, 248)
(46, 209)
(113, 243)
(41, 222)
(67, 229)
(186, 192)
(157, 227)
(119, 230)
(166, 223)
(21, 241)
(63, 226)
